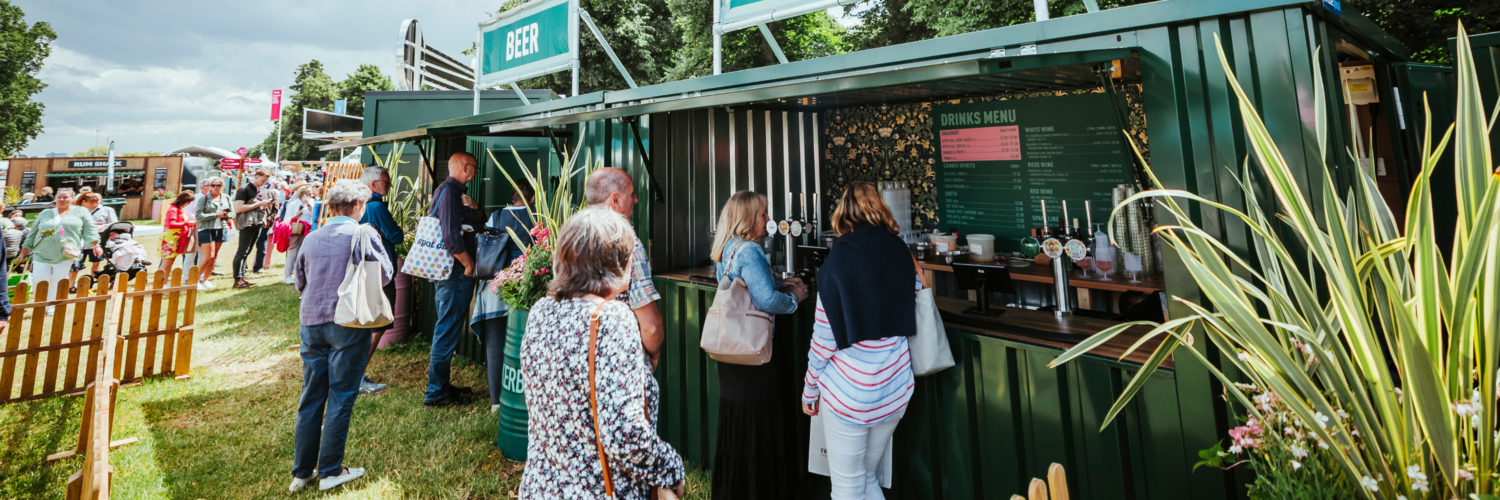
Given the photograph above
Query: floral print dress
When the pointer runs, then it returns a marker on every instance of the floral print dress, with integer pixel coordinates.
(562, 458)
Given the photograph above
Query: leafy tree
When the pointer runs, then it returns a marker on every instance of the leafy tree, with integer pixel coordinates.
(1424, 26)
(367, 78)
(313, 88)
(22, 50)
(104, 151)
(803, 37)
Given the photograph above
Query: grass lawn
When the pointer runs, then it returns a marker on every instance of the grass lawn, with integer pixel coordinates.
(227, 432)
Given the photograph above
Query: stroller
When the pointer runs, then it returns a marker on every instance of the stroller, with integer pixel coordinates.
(121, 252)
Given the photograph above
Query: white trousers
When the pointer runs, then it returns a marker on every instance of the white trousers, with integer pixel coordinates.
(52, 273)
(854, 455)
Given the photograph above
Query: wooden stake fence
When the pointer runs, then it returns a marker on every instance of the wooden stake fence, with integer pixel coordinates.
(126, 334)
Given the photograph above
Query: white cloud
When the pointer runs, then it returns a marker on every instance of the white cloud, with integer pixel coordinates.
(163, 74)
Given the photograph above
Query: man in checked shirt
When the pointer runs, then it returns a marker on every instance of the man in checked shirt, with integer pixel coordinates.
(613, 189)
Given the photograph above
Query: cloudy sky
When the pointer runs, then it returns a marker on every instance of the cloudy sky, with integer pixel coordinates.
(165, 74)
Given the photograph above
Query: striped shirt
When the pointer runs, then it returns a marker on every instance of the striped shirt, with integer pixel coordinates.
(865, 384)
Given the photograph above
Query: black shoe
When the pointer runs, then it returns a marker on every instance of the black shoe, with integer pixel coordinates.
(453, 389)
(453, 399)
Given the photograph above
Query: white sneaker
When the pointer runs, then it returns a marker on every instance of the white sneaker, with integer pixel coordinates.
(350, 474)
(289, 281)
(205, 285)
(299, 483)
(494, 408)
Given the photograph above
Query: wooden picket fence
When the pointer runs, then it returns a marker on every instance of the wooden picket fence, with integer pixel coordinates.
(122, 329)
(45, 357)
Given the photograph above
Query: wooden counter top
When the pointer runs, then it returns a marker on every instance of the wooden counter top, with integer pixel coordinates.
(1043, 274)
(1021, 325)
(1045, 328)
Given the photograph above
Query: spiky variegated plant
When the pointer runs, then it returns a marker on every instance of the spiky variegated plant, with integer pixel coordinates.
(408, 199)
(525, 280)
(1399, 340)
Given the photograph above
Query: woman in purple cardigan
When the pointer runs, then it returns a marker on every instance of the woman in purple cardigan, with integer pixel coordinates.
(333, 356)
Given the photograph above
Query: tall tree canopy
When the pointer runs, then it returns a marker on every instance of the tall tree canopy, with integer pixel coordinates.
(313, 88)
(22, 49)
(1424, 26)
(802, 37)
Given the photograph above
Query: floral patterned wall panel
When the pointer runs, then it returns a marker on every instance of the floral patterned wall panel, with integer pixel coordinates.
(894, 142)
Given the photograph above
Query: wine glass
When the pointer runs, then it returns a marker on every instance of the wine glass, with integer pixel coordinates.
(1133, 265)
(1085, 264)
(1104, 263)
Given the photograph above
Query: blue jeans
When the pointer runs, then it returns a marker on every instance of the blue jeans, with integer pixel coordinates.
(333, 362)
(453, 296)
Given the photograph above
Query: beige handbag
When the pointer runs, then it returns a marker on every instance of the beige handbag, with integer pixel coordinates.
(362, 302)
(735, 332)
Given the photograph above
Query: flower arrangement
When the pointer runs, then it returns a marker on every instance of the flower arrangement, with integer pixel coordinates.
(162, 194)
(1369, 351)
(526, 279)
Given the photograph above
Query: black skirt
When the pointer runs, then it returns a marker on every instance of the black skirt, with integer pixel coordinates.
(757, 451)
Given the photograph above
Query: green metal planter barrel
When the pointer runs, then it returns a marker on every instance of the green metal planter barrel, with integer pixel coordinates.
(511, 436)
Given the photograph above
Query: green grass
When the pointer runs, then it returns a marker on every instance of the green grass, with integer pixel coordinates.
(227, 432)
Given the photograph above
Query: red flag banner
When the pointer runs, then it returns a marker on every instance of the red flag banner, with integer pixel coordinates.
(276, 105)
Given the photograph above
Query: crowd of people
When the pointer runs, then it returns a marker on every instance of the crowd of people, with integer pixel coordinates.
(590, 348)
(592, 344)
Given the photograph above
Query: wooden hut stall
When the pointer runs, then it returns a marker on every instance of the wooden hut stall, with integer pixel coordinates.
(801, 131)
(137, 179)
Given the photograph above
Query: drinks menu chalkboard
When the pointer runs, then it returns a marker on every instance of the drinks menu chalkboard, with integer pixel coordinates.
(998, 160)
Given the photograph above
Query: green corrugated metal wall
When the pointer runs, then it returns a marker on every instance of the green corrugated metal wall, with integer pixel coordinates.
(980, 430)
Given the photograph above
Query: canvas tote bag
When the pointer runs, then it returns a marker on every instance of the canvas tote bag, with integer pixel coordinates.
(929, 347)
(362, 302)
(428, 258)
(735, 332)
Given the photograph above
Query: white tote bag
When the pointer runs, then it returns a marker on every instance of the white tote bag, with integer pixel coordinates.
(428, 257)
(817, 453)
(362, 302)
(930, 352)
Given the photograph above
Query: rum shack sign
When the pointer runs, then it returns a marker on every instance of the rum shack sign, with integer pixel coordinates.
(94, 163)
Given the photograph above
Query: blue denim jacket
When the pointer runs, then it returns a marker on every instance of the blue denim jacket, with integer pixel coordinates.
(751, 265)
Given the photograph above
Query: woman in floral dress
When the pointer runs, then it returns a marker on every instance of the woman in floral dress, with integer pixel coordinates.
(591, 261)
(181, 228)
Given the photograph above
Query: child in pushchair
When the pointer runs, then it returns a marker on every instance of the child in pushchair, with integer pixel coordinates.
(122, 252)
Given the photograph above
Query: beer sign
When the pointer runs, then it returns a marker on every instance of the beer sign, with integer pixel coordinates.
(532, 40)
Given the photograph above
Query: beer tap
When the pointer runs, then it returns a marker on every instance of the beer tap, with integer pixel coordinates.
(1053, 248)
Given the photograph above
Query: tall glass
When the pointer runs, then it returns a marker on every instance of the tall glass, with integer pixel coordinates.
(1133, 265)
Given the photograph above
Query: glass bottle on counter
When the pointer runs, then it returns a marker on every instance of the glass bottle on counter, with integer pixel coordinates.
(1030, 245)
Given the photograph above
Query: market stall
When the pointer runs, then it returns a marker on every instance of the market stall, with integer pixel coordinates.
(138, 182)
(970, 136)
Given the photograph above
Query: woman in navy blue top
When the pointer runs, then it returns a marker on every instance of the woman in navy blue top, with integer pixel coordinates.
(754, 458)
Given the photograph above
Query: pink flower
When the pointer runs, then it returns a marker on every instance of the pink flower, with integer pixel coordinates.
(1245, 437)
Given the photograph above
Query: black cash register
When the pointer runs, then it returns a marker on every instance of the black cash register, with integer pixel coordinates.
(983, 278)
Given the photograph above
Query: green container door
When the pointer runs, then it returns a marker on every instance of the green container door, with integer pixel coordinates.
(513, 427)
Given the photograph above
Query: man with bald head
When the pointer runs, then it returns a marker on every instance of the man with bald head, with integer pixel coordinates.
(612, 188)
(458, 216)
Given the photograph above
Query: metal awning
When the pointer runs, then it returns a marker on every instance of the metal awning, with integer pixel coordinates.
(982, 74)
(415, 133)
(95, 173)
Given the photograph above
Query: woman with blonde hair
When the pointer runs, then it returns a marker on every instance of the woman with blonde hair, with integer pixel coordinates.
(588, 379)
(866, 294)
(753, 458)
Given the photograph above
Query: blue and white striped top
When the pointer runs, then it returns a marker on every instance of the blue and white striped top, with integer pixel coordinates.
(865, 384)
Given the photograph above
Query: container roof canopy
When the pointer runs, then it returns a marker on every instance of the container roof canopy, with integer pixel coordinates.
(984, 62)
(984, 74)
